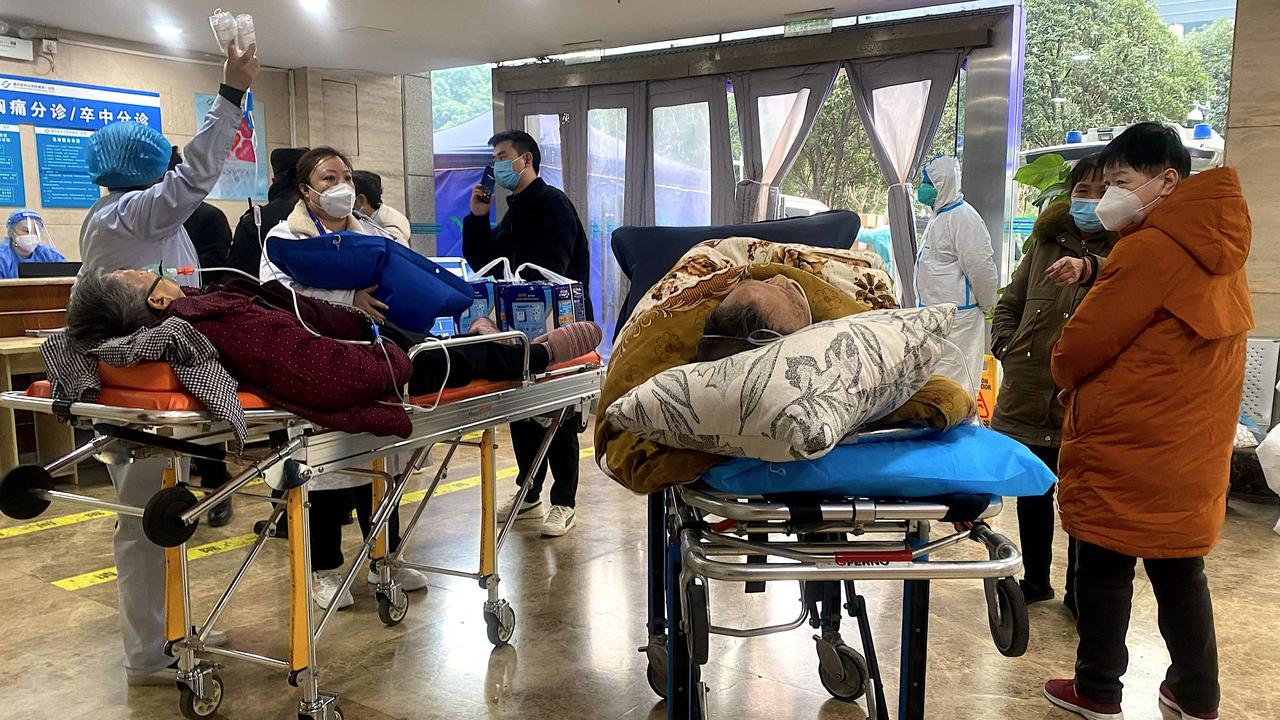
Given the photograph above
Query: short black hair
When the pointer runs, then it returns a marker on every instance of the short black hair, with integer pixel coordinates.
(1086, 168)
(523, 142)
(104, 306)
(369, 185)
(1150, 148)
(734, 323)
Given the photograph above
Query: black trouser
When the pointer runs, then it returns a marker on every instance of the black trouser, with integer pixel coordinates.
(1104, 595)
(213, 473)
(562, 456)
(1036, 515)
(482, 361)
(328, 509)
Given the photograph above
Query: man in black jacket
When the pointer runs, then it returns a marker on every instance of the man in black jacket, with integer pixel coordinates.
(246, 245)
(541, 226)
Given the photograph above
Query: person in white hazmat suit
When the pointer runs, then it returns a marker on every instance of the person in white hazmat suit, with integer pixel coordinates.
(955, 265)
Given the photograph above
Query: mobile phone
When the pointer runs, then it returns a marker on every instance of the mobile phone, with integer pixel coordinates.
(488, 182)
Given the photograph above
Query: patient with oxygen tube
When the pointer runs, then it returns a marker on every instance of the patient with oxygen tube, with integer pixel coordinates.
(305, 353)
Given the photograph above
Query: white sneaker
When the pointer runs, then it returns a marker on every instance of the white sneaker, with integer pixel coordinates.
(559, 521)
(529, 509)
(410, 580)
(324, 590)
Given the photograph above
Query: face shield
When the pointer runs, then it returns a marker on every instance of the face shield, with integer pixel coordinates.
(26, 232)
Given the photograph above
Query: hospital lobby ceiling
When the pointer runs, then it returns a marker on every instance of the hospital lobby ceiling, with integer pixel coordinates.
(405, 36)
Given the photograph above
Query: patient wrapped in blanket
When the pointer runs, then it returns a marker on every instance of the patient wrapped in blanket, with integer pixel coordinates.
(726, 304)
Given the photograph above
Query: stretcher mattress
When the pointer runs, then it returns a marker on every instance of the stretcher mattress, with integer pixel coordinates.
(968, 460)
(153, 386)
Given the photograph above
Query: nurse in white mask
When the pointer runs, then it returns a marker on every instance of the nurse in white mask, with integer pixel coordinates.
(28, 241)
(955, 264)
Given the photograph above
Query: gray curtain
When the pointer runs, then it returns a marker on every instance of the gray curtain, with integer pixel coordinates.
(756, 189)
(900, 100)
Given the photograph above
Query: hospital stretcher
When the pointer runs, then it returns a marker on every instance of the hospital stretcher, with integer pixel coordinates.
(143, 411)
(826, 543)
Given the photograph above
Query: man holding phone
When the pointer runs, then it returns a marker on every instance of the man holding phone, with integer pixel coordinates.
(542, 227)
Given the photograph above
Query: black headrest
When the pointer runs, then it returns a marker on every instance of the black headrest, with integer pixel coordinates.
(647, 253)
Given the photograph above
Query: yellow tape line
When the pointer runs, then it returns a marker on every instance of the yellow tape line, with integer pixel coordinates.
(80, 582)
(54, 522)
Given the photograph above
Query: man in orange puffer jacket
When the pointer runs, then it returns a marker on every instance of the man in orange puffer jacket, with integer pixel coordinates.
(1152, 370)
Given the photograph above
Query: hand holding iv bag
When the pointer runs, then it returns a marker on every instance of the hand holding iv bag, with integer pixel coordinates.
(228, 28)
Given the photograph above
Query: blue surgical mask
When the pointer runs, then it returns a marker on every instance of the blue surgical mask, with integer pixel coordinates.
(505, 175)
(927, 194)
(1084, 213)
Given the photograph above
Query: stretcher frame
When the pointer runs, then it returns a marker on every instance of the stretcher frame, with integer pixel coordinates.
(298, 452)
(688, 548)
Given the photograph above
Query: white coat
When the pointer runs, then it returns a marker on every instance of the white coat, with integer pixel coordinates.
(298, 226)
(955, 264)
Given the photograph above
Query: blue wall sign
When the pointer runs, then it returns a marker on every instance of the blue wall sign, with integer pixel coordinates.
(76, 106)
(64, 182)
(12, 192)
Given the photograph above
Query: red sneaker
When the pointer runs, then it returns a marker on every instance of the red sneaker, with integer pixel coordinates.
(1063, 694)
(1167, 698)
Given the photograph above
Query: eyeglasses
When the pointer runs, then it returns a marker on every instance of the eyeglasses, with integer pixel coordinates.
(757, 338)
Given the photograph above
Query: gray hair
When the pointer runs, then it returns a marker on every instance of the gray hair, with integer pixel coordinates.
(731, 325)
(105, 306)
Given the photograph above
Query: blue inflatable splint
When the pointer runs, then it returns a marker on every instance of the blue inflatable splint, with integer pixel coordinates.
(966, 460)
(415, 289)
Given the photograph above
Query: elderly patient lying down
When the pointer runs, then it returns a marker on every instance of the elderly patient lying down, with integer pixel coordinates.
(316, 367)
(776, 352)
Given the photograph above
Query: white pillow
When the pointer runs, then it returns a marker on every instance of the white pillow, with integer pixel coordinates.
(796, 397)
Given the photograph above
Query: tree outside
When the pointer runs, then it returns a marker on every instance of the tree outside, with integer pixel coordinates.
(460, 94)
(1106, 62)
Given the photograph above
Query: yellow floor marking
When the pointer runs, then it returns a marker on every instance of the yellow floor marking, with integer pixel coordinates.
(54, 522)
(98, 577)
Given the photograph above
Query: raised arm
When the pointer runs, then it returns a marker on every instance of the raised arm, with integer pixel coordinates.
(158, 211)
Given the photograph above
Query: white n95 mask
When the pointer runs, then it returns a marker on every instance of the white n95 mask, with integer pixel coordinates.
(338, 201)
(1119, 208)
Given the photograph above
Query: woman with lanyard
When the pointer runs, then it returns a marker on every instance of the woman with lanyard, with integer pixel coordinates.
(955, 265)
(326, 205)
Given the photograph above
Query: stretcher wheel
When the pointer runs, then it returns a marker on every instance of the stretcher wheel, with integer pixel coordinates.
(698, 611)
(18, 498)
(160, 520)
(1010, 627)
(193, 706)
(657, 674)
(390, 612)
(501, 623)
(849, 682)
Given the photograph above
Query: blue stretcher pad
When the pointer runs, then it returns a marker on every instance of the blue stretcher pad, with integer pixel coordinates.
(969, 459)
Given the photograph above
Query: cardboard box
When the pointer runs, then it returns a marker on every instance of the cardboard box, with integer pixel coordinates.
(528, 307)
(484, 303)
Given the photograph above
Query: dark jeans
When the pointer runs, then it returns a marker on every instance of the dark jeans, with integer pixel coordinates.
(328, 509)
(1104, 595)
(562, 457)
(482, 361)
(1036, 520)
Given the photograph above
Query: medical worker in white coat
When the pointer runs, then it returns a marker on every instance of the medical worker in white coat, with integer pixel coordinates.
(955, 265)
(139, 223)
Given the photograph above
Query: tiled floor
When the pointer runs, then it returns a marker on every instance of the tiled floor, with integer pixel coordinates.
(580, 602)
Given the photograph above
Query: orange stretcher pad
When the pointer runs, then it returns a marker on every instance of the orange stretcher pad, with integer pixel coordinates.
(153, 386)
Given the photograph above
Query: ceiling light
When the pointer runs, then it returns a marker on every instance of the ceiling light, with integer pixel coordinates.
(167, 31)
(1082, 57)
(315, 7)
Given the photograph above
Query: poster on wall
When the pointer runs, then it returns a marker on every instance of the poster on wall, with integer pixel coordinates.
(245, 173)
(12, 191)
(64, 182)
(73, 106)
